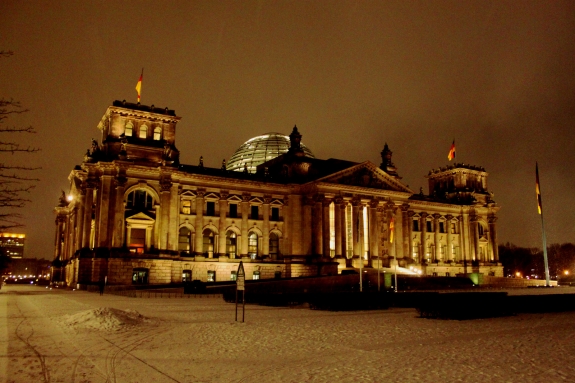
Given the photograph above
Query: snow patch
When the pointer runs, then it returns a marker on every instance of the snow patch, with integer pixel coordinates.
(104, 318)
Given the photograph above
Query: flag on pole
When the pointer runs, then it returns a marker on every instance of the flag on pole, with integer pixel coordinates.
(391, 230)
(451, 154)
(537, 189)
(139, 85)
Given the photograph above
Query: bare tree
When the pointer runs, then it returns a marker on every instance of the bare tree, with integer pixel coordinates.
(15, 181)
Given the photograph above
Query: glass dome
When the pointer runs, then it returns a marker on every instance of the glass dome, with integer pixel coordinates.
(260, 149)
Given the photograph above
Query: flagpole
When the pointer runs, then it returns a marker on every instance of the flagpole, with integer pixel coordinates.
(547, 282)
(540, 208)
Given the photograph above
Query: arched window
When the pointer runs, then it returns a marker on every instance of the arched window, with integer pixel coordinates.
(253, 245)
(143, 132)
(157, 133)
(274, 246)
(231, 244)
(208, 243)
(185, 240)
(140, 199)
(129, 129)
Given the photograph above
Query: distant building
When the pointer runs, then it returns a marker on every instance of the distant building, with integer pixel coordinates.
(12, 245)
(135, 215)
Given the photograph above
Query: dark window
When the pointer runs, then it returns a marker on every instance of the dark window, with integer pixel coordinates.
(231, 244)
(139, 199)
(278, 275)
(253, 245)
(233, 210)
(255, 212)
(416, 224)
(211, 209)
(453, 229)
(434, 274)
(429, 226)
(140, 276)
(441, 227)
(447, 274)
(480, 229)
(184, 240)
(275, 213)
(274, 246)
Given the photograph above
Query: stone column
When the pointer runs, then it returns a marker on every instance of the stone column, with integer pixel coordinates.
(307, 226)
(222, 224)
(437, 254)
(492, 219)
(344, 239)
(389, 210)
(58, 243)
(475, 236)
(266, 226)
(118, 233)
(373, 232)
(245, 206)
(80, 218)
(103, 206)
(463, 240)
(405, 230)
(199, 245)
(449, 254)
(326, 233)
(423, 229)
(316, 220)
(174, 222)
(165, 187)
(337, 211)
(88, 211)
(285, 240)
(409, 220)
(356, 222)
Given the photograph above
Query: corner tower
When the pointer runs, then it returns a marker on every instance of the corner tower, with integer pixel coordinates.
(139, 133)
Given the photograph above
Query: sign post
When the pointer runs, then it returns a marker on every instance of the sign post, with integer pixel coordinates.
(241, 286)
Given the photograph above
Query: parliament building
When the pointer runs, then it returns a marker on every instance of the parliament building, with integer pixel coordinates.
(135, 215)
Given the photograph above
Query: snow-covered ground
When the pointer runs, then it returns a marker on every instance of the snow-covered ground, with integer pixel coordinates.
(75, 336)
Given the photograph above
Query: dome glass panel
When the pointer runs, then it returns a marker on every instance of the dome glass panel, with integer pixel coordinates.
(261, 149)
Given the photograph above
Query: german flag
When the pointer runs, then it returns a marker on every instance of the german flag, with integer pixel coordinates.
(538, 189)
(391, 229)
(451, 154)
(139, 85)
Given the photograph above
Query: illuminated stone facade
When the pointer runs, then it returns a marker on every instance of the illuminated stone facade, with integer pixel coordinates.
(134, 214)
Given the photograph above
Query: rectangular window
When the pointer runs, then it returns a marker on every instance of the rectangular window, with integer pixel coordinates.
(453, 230)
(447, 274)
(186, 275)
(256, 275)
(211, 208)
(429, 226)
(234, 275)
(275, 213)
(233, 210)
(254, 212)
(186, 206)
(416, 224)
(441, 227)
(211, 275)
(278, 275)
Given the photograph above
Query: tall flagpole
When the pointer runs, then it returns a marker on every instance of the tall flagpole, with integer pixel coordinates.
(540, 209)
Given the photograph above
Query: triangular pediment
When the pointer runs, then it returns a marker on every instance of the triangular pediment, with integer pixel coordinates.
(141, 216)
(234, 198)
(366, 175)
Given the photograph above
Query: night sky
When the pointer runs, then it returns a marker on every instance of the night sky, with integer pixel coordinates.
(498, 77)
